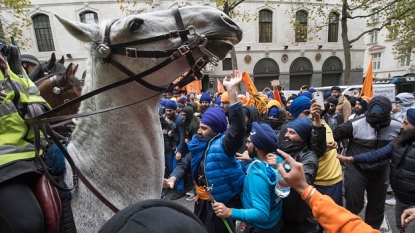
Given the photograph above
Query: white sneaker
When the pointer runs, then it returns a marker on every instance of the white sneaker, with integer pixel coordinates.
(190, 193)
(191, 197)
(391, 201)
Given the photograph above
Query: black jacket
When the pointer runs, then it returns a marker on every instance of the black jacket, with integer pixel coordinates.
(402, 174)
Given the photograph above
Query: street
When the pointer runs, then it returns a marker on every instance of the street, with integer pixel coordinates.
(388, 225)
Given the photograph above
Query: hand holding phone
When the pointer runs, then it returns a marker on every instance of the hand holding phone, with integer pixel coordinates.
(319, 99)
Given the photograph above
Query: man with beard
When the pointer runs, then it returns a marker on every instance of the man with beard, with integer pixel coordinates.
(297, 215)
(218, 176)
(262, 209)
(360, 108)
(333, 119)
(191, 125)
(373, 131)
(177, 133)
(343, 105)
(205, 100)
(401, 153)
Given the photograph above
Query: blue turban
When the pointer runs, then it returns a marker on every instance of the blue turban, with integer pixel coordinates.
(308, 94)
(263, 137)
(274, 112)
(218, 100)
(376, 108)
(300, 104)
(180, 105)
(215, 118)
(327, 94)
(205, 97)
(163, 103)
(303, 127)
(170, 104)
(270, 95)
(410, 116)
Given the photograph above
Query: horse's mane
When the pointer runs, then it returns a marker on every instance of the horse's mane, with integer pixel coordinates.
(39, 81)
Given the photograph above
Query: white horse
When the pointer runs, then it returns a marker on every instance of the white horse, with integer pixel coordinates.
(121, 152)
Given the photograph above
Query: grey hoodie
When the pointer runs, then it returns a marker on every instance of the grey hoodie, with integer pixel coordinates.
(407, 103)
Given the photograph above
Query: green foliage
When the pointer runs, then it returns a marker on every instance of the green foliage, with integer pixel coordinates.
(18, 12)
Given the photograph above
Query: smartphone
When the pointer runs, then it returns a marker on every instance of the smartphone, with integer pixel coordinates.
(318, 95)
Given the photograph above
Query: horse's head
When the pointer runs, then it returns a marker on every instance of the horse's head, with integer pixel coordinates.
(59, 88)
(50, 67)
(221, 33)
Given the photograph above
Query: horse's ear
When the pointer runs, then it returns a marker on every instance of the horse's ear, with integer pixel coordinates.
(51, 61)
(81, 31)
(62, 60)
(75, 69)
(69, 71)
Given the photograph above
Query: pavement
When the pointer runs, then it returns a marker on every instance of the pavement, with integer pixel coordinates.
(388, 225)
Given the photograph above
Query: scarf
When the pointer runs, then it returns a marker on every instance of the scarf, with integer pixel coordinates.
(197, 148)
(378, 120)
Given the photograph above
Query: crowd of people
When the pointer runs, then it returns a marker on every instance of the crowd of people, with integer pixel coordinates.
(228, 148)
(234, 154)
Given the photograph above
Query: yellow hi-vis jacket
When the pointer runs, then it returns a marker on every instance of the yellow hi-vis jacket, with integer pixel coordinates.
(15, 134)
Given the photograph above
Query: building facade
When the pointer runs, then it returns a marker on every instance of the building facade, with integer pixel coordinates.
(271, 48)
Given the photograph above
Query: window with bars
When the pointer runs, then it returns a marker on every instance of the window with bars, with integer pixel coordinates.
(374, 36)
(43, 33)
(89, 17)
(333, 27)
(265, 26)
(376, 60)
(301, 26)
(227, 64)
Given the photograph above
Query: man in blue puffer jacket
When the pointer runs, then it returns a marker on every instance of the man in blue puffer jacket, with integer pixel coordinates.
(262, 209)
(212, 160)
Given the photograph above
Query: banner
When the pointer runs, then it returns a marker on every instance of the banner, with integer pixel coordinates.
(221, 89)
(277, 96)
(367, 88)
(193, 87)
(254, 97)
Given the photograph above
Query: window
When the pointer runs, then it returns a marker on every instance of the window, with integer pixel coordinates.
(301, 26)
(376, 60)
(89, 17)
(374, 36)
(406, 60)
(333, 27)
(265, 26)
(43, 33)
(227, 64)
(375, 17)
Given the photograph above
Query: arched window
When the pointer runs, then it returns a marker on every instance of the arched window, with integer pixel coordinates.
(43, 33)
(265, 26)
(301, 26)
(89, 17)
(333, 27)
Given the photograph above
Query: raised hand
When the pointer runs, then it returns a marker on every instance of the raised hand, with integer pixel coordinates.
(232, 82)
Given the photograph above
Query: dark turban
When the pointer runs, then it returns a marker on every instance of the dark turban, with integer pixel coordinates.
(170, 104)
(410, 116)
(215, 118)
(303, 127)
(263, 137)
(205, 97)
(299, 104)
(336, 88)
(332, 100)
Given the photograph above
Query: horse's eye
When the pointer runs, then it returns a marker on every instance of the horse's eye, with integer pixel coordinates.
(136, 24)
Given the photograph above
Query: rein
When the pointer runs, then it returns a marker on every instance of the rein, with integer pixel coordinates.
(104, 50)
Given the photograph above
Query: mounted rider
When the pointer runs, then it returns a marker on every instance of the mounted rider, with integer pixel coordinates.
(17, 151)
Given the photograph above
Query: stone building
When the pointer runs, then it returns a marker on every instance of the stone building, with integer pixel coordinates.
(270, 49)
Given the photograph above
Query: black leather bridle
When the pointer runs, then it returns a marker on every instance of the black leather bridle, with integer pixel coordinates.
(104, 50)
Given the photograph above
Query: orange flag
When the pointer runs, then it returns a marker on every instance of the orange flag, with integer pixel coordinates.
(254, 97)
(221, 89)
(193, 87)
(367, 88)
(277, 96)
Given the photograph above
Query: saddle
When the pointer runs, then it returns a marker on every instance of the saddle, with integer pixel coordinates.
(50, 203)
